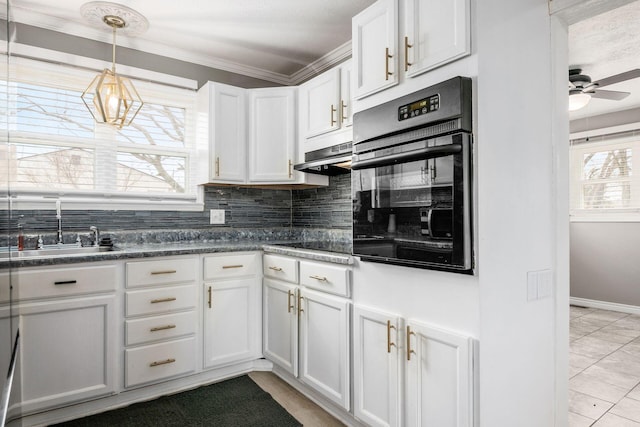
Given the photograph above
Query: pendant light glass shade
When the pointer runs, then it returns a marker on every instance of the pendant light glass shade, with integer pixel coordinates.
(111, 98)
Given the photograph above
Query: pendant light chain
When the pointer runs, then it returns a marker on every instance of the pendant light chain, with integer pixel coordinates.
(113, 54)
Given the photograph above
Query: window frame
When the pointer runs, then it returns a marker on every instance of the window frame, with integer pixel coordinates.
(627, 136)
(155, 88)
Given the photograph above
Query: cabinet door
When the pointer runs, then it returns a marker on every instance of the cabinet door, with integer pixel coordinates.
(272, 135)
(324, 345)
(228, 134)
(346, 109)
(438, 32)
(231, 315)
(67, 351)
(281, 324)
(375, 42)
(378, 367)
(439, 377)
(319, 103)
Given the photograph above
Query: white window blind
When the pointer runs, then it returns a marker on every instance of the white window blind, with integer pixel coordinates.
(56, 148)
(604, 181)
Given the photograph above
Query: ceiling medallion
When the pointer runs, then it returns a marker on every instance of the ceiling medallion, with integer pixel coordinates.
(95, 11)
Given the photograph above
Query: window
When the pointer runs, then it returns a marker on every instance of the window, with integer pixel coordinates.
(56, 148)
(603, 181)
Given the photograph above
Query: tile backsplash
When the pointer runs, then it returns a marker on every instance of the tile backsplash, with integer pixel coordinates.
(245, 208)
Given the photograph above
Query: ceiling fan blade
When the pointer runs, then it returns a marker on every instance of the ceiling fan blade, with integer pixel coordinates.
(627, 75)
(608, 94)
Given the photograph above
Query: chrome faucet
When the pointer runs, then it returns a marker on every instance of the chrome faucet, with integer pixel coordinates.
(59, 218)
(96, 235)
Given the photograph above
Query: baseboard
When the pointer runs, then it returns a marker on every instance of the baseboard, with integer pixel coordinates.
(605, 305)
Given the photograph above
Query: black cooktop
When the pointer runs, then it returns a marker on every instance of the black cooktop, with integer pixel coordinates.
(319, 245)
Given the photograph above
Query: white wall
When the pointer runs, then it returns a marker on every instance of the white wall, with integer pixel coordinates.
(517, 217)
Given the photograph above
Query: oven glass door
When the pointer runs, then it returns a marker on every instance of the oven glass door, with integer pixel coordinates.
(412, 212)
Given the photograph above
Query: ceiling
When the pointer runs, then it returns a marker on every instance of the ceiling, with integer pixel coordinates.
(268, 39)
(605, 45)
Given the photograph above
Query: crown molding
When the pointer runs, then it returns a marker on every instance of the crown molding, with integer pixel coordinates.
(331, 59)
(47, 22)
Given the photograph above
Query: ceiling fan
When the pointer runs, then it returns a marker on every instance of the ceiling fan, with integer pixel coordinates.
(582, 89)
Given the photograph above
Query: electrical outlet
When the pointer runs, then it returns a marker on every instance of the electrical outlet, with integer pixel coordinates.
(216, 216)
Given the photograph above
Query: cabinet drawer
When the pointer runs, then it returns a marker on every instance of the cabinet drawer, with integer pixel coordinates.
(236, 265)
(57, 282)
(159, 300)
(330, 278)
(280, 267)
(148, 329)
(161, 272)
(159, 361)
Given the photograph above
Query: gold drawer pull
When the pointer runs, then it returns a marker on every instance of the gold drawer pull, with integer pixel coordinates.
(333, 110)
(300, 298)
(387, 73)
(343, 108)
(275, 268)
(289, 306)
(155, 301)
(161, 362)
(163, 272)
(209, 293)
(319, 278)
(232, 266)
(162, 328)
(217, 166)
(407, 46)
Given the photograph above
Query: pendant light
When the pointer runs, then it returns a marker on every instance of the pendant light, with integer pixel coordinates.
(112, 98)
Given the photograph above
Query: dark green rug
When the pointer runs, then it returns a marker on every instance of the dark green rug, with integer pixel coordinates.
(235, 402)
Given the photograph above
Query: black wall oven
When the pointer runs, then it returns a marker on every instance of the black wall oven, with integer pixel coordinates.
(411, 179)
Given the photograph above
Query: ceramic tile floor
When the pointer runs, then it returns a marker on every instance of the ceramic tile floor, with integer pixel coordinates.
(604, 368)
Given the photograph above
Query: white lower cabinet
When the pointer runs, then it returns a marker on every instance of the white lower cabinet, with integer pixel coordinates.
(160, 306)
(281, 324)
(324, 345)
(306, 331)
(436, 364)
(378, 367)
(231, 308)
(67, 351)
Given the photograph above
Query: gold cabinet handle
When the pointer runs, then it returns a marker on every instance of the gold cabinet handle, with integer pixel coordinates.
(407, 64)
(409, 351)
(155, 301)
(319, 278)
(300, 298)
(209, 292)
(290, 168)
(389, 343)
(275, 268)
(217, 166)
(387, 73)
(162, 328)
(161, 362)
(153, 273)
(289, 306)
(232, 266)
(333, 110)
(343, 108)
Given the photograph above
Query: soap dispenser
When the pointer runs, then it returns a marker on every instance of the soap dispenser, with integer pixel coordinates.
(20, 238)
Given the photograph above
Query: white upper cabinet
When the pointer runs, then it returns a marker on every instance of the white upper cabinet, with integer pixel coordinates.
(225, 107)
(325, 110)
(375, 45)
(272, 131)
(320, 103)
(437, 32)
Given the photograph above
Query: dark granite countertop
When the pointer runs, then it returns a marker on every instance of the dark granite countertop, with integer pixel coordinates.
(186, 248)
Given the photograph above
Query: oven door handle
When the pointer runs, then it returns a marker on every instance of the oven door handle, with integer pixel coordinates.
(410, 156)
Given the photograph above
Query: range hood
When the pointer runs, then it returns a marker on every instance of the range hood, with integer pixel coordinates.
(334, 160)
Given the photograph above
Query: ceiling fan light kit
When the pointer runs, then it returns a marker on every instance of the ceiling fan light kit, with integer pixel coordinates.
(582, 89)
(111, 98)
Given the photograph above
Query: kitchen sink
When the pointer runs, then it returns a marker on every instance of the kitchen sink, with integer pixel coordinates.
(48, 252)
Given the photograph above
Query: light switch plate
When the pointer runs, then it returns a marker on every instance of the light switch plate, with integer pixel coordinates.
(216, 216)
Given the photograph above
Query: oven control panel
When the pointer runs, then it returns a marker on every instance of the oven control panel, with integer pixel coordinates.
(418, 108)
